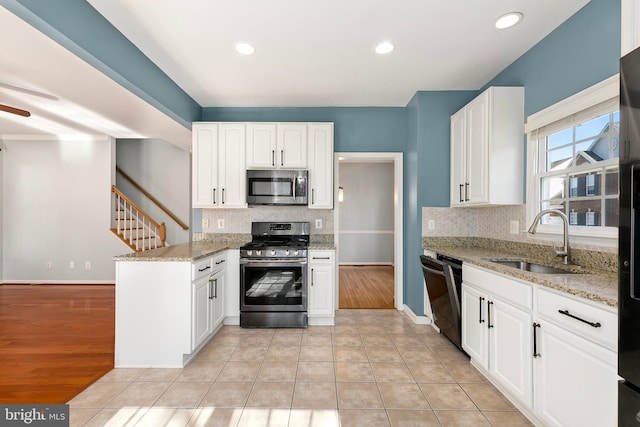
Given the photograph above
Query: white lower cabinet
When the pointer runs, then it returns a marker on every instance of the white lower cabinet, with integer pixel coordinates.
(232, 288)
(200, 312)
(496, 333)
(207, 295)
(552, 354)
(576, 380)
(576, 363)
(320, 301)
(167, 310)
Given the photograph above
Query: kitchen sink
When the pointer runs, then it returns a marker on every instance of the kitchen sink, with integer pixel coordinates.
(533, 267)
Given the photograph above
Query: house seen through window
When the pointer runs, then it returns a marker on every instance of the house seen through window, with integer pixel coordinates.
(578, 169)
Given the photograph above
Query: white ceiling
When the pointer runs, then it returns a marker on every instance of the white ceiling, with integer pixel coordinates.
(308, 53)
(67, 97)
(321, 53)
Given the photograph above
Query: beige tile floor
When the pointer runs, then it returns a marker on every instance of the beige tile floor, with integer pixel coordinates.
(374, 368)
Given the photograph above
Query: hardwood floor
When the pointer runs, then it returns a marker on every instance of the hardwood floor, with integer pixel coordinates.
(368, 286)
(55, 340)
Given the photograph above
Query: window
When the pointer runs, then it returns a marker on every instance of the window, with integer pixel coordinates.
(574, 164)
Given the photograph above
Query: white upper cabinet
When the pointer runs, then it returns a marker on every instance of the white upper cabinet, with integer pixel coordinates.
(320, 166)
(487, 141)
(292, 145)
(219, 179)
(224, 151)
(276, 145)
(261, 145)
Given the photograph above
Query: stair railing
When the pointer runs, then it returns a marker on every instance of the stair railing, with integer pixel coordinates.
(153, 199)
(141, 232)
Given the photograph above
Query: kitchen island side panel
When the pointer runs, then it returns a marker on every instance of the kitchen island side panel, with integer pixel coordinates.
(153, 314)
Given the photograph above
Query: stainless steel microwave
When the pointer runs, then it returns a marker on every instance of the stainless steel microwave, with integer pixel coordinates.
(277, 187)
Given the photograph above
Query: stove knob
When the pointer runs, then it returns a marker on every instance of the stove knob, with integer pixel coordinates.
(258, 252)
(249, 252)
(286, 252)
(296, 252)
(273, 252)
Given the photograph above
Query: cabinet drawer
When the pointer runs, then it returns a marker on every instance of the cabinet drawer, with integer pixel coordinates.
(202, 267)
(602, 326)
(319, 257)
(500, 286)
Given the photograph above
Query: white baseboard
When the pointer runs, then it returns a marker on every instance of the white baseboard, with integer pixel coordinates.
(232, 320)
(419, 320)
(321, 321)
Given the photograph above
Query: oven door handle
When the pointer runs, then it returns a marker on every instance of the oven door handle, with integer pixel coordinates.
(292, 261)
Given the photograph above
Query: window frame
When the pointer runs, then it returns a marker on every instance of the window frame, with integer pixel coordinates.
(563, 114)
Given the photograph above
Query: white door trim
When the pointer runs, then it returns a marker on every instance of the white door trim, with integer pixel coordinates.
(398, 257)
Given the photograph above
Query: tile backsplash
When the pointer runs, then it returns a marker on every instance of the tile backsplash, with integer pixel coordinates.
(238, 221)
(486, 222)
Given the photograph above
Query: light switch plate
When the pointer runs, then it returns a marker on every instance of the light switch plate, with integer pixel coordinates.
(514, 227)
(318, 224)
(431, 224)
(205, 222)
(221, 223)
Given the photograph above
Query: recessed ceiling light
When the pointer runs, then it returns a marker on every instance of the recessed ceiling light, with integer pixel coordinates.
(384, 48)
(508, 20)
(245, 48)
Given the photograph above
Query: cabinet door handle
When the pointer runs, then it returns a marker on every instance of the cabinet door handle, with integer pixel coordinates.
(313, 195)
(215, 287)
(210, 289)
(214, 196)
(535, 340)
(312, 277)
(461, 198)
(273, 157)
(480, 300)
(281, 157)
(489, 304)
(223, 196)
(466, 191)
(566, 313)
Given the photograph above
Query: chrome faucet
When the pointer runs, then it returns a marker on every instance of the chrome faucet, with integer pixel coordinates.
(564, 252)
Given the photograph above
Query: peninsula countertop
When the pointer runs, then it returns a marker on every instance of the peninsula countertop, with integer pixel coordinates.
(194, 251)
(593, 285)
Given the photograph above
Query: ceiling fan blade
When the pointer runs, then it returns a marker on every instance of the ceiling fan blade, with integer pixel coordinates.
(23, 113)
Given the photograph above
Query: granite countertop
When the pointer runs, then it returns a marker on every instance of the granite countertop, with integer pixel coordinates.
(594, 285)
(197, 250)
(183, 252)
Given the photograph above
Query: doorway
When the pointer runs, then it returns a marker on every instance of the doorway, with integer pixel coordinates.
(368, 230)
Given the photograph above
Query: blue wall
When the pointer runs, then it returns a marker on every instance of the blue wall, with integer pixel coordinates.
(367, 129)
(580, 53)
(77, 26)
(427, 164)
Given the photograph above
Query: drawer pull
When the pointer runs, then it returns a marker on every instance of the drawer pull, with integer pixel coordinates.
(204, 269)
(566, 313)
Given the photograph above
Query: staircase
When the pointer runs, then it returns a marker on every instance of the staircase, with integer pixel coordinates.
(134, 226)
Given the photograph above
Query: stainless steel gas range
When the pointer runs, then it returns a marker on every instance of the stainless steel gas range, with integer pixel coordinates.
(273, 276)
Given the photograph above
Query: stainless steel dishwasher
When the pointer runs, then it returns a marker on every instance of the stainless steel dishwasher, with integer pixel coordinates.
(443, 281)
